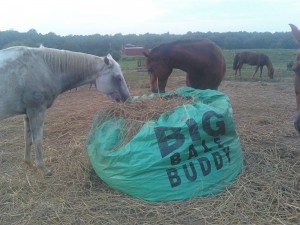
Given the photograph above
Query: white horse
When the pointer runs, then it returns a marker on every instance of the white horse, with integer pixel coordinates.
(31, 79)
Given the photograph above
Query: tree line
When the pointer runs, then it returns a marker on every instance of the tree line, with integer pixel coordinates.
(102, 44)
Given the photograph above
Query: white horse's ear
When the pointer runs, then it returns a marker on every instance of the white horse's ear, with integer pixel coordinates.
(106, 60)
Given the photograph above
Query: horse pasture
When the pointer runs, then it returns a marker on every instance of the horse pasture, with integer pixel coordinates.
(266, 192)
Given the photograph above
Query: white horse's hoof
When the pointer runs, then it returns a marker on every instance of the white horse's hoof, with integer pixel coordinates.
(29, 163)
(48, 173)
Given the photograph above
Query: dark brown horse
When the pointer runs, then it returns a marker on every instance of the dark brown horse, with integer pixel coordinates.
(254, 59)
(202, 60)
(296, 69)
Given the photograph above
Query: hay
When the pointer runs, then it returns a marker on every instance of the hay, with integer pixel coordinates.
(267, 191)
(143, 110)
(137, 113)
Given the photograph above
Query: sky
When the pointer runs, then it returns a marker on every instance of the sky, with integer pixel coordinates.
(87, 17)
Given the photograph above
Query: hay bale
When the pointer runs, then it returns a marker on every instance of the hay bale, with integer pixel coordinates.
(185, 141)
(139, 112)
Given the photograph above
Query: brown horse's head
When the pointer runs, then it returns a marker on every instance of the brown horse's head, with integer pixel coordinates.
(296, 68)
(271, 72)
(159, 72)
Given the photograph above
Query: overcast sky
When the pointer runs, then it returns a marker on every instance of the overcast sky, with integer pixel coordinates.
(85, 17)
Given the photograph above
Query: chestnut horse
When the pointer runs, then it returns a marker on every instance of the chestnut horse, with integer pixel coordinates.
(296, 69)
(254, 59)
(201, 59)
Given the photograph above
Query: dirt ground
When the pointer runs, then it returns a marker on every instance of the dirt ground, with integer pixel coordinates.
(266, 192)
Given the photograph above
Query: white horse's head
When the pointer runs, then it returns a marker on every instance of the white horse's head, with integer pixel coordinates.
(111, 81)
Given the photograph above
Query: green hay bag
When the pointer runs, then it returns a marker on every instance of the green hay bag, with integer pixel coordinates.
(191, 151)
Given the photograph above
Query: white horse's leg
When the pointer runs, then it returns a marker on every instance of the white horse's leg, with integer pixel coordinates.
(28, 141)
(36, 121)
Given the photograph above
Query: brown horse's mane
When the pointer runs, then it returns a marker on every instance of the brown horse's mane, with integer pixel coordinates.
(60, 61)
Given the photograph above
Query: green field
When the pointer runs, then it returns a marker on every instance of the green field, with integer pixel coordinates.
(279, 58)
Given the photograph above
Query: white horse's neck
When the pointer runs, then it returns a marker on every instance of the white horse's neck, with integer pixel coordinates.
(74, 69)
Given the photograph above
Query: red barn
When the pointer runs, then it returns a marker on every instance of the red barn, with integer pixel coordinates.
(138, 52)
(133, 51)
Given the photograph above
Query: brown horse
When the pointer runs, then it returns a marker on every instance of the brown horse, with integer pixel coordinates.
(296, 69)
(202, 60)
(254, 59)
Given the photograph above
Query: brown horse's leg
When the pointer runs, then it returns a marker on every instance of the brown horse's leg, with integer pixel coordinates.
(261, 68)
(240, 67)
(297, 92)
(256, 69)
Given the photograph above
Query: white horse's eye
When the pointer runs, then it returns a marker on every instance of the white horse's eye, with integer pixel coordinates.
(118, 79)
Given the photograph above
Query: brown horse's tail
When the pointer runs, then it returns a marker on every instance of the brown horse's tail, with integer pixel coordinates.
(236, 61)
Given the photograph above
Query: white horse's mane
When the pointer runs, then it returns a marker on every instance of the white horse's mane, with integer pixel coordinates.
(61, 61)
